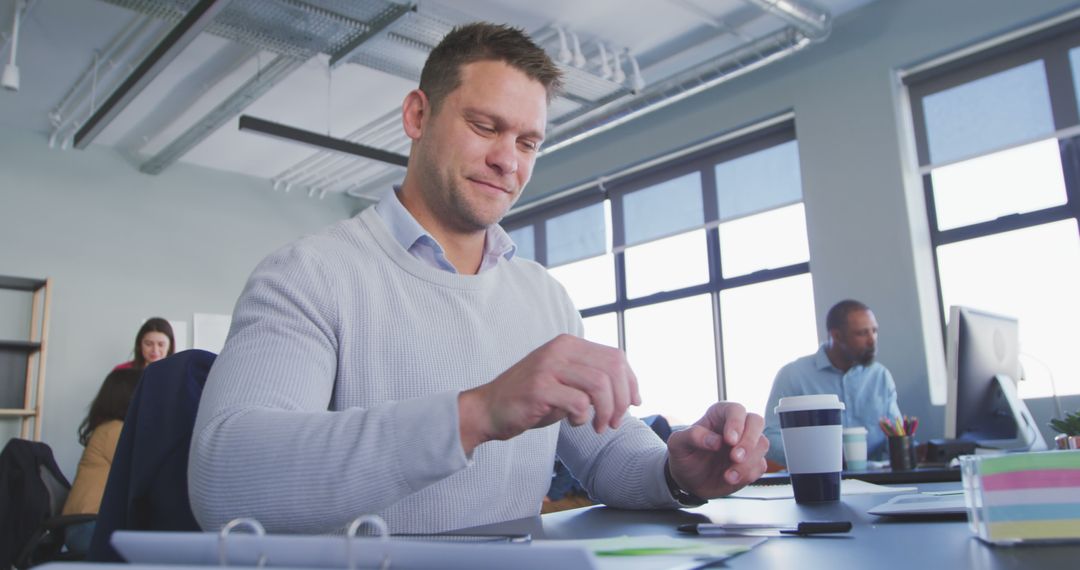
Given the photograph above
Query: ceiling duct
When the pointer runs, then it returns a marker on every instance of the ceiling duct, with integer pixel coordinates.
(815, 24)
(157, 60)
(735, 63)
(394, 37)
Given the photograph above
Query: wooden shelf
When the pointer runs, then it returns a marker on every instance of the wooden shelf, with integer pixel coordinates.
(20, 283)
(22, 361)
(20, 346)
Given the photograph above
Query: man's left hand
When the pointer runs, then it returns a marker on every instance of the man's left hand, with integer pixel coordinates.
(721, 453)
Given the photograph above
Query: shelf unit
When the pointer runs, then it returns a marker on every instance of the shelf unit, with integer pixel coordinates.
(22, 362)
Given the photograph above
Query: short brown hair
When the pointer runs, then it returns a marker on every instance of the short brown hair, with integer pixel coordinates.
(482, 41)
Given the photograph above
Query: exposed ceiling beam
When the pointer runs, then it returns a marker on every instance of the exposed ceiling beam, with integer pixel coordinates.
(248, 93)
(388, 17)
(278, 130)
(183, 34)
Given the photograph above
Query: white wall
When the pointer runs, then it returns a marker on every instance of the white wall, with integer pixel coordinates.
(123, 246)
(865, 211)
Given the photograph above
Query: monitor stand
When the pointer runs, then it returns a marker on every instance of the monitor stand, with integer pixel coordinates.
(1028, 437)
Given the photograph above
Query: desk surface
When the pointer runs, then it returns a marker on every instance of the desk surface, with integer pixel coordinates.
(875, 542)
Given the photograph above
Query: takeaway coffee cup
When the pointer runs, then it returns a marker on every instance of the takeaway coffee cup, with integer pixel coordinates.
(811, 428)
(855, 448)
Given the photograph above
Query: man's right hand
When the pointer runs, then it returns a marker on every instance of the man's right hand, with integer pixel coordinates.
(568, 377)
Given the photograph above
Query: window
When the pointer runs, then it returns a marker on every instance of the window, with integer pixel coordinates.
(997, 145)
(690, 265)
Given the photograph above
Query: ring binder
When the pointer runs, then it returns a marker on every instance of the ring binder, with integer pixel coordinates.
(223, 535)
(169, 550)
(382, 531)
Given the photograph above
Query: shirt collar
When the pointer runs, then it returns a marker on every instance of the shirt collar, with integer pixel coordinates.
(408, 232)
(821, 359)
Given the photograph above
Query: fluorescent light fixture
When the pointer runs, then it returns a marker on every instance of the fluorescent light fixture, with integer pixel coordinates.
(196, 20)
(285, 132)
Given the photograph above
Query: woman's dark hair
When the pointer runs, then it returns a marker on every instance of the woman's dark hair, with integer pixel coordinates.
(153, 324)
(111, 402)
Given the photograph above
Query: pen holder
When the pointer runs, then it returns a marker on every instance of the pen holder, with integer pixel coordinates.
(901, 452)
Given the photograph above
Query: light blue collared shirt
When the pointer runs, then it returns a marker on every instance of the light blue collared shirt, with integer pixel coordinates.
(422, 245)
(868, 393)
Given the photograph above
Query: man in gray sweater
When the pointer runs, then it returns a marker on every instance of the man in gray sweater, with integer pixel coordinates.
(406, 363)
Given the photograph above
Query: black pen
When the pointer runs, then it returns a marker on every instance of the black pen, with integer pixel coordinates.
(803, 528)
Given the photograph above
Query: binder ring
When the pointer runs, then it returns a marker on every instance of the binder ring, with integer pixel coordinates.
(256, 528)
(350, 533)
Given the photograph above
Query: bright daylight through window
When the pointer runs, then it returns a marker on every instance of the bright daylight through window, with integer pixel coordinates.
(997, 143)
(685, 257)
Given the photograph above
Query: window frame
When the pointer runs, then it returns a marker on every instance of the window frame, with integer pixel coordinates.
(615, 189)
(1052, 47)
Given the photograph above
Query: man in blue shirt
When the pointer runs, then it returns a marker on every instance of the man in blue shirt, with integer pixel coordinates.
(844, 365)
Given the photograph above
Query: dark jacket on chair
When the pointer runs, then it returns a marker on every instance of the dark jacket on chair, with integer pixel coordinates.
(147, 486)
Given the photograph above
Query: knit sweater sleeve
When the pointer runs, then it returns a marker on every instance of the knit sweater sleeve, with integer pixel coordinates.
(265, 444)
(621, 468)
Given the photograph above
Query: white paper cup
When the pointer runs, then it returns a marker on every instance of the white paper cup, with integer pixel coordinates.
(855, 448)
(812, 430)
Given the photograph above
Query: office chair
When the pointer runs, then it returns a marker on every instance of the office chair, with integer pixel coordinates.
(147, 485)
(32, 530)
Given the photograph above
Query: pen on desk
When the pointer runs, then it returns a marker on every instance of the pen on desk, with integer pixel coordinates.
(802, 528)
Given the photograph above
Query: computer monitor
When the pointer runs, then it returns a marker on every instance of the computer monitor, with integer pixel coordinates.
(983, 359)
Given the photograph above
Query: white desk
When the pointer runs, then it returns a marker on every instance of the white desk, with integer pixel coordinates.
(875, 542)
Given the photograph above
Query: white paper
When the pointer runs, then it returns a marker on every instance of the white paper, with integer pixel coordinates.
(211, 330)
(685, 552)
(180, 335)
(847, 487)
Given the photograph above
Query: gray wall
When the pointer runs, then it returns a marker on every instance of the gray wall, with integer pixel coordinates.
(866, 216)
(122, 246)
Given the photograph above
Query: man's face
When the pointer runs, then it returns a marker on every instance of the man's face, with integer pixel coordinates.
(857, 342)
(476, 153)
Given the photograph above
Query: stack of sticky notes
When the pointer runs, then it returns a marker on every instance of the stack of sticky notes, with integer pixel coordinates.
(1022, 497)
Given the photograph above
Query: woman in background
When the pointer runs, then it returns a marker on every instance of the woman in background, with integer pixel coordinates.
(153, 342)
(99, 433)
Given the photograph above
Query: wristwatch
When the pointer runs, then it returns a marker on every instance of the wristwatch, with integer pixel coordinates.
(681, 495)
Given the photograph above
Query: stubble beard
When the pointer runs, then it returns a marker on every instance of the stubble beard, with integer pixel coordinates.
(466, 215)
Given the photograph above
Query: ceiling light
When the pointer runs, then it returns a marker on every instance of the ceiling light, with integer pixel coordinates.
(285, 132)
(10, 79)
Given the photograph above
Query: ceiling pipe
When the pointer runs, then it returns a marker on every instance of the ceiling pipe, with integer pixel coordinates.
(734, 63)
(637, 82)
(565, 57)
(119, 54)
(579, 58)
(605, 67)
(816, 24)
